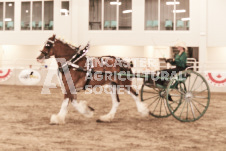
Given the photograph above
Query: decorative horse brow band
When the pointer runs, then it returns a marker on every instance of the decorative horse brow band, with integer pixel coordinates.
(51, 41)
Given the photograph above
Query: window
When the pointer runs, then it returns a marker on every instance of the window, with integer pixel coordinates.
(9, 16)
(25, 15)
(182, 19)
(32, 17)
(110, 20)
(95, 7)
(48, 15)
(125, 15)
(117, 14)
(37, 16)
(151, 15)
(64, 8)
(167, 15)
(1, 15)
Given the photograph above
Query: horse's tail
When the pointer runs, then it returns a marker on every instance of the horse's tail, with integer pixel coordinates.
(125, 65)
(131, 64)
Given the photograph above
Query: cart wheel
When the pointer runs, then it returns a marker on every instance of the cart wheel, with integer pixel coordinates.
(155, 99)
(194, 94)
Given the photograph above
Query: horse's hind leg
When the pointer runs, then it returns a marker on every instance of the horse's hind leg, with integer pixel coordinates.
(115, 103)
(141, 107)
(60, 117)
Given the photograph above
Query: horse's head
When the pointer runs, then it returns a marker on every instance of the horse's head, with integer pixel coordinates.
(47, 50)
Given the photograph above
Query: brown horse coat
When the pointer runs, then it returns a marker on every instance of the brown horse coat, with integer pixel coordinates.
(104, 71)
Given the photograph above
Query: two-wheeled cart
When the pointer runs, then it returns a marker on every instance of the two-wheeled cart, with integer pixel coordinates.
(186, 96)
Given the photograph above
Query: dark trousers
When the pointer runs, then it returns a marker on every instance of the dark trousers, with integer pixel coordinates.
(168, 73)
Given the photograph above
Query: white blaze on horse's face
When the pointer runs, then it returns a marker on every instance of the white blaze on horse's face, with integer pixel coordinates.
(47, 50)
(42, 60)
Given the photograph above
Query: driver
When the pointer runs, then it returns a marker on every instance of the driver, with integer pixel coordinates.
(179, 61)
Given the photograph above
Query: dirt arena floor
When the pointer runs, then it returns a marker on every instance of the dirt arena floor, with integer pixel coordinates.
(25, 115)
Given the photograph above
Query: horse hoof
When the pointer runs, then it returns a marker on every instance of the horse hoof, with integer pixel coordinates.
(99, 121)
(92, 109)
(53, 124)
(56, 120)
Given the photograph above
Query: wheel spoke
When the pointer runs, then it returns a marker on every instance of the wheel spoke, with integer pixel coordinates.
(184, 91)
(150, 92)
(189, 83)
(194, 82)
(150, 97)
(187, 111)
(200, 91)
(152, 102)
(160, 107)
(192, 110)
(198, 86)
(198, 102)
(195, 107)
(164, 101)
(182, 109)
(200, 97)
(156, 105)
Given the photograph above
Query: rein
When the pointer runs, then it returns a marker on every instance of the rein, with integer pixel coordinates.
(89, 71)
(74, 59)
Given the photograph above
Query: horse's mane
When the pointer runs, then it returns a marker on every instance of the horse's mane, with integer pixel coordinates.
(67, 43)
(125, 66)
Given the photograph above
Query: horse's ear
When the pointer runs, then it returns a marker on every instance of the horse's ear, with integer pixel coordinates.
(54, 36)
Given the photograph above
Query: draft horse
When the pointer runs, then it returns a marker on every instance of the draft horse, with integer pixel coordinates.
(76, 69)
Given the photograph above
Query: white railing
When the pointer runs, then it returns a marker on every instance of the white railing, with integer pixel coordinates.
(140, 65)
(27, 63)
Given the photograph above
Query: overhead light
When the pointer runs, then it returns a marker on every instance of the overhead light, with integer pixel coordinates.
(127, 11)
(64, 10)
(185, 19)
(115, 3)
(179, 11)
(10, 4)
(172, 3)
(26, 11)
(8, 19)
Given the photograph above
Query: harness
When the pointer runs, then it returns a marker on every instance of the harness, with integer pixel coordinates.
(72, 64)
(89, 63)
(65, 67)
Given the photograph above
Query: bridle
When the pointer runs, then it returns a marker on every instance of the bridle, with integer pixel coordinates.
(49, 44)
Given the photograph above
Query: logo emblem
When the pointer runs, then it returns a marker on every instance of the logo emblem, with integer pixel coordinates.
(217, 79)
(5, 74)
(29, 77)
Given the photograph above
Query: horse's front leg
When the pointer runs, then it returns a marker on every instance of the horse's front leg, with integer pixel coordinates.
(60, 117)
(82, 107)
